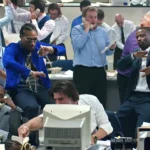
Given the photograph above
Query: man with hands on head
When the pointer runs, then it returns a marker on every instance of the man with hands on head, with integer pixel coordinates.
(27, 79)
(64, 92)
(137, 98)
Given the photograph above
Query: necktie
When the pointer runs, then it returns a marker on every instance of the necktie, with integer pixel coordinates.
(2, 38)
(12, 27)
(122, 36)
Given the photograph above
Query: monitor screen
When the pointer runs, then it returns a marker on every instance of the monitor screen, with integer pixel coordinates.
(67, 126)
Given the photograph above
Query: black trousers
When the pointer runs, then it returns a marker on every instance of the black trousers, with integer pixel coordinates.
(30, 101)
(117, 56)
(122, 82)
(134, 112)
(91, 80)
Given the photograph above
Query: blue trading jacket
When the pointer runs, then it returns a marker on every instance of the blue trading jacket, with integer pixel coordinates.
(14, 61)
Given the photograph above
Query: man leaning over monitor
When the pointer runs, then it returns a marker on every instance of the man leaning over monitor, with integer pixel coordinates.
(64, 92)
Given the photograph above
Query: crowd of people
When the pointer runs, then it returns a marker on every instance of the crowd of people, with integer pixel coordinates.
(26, 86)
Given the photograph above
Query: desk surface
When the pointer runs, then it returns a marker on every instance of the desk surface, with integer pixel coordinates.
(68, 75)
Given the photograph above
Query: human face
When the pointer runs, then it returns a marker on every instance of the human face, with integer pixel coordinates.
(91, 17)
(53, 14)
(32, 8)
(28, 40)
(143, 38)
(2, 92)
(61, 98)
(120, 22)
(99, 22)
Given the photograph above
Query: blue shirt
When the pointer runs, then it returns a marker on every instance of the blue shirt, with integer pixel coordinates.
(76, 22)
(88, 46)
(5, 20)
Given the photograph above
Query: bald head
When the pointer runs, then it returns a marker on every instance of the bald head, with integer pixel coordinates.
(119, 19)
(145, 22)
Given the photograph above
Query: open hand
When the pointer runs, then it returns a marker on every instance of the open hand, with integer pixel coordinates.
(23, 131)
(146, 71)
(44, 50)
(36, 74)
(10, 103)
(140, 54)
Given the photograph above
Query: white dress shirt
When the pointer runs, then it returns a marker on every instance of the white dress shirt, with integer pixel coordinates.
(111, 32)
(60, 33)
(47, 29)
(99, 117)
(128, 28)
(23, 17)
(142, 85)
(17, 24)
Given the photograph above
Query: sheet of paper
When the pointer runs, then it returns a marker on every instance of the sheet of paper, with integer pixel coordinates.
(20, 139)
(2, 147)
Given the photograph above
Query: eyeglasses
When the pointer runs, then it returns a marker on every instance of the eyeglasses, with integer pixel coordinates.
(29, 40)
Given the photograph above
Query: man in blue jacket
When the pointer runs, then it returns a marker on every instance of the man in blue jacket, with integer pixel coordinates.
(26, 76)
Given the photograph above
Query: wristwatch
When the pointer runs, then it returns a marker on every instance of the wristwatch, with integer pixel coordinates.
(95, 139)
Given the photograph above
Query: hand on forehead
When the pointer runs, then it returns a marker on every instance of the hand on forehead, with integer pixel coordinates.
(145, 22)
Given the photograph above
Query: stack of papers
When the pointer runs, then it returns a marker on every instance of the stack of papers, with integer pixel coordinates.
(20, 139)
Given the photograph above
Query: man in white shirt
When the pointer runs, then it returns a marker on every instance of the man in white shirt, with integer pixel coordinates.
(38, 17)
(14, 26)
(137, 101)
(60, 32)
(123, 29)
(64, 92)
(111, 32)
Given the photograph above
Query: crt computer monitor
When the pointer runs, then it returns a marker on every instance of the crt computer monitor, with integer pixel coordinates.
(67, 127)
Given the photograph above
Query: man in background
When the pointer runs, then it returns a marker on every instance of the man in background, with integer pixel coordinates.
(14, 26)
(78, 20)
(123, 29)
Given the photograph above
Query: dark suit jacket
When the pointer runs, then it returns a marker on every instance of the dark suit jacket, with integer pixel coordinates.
(135, 64)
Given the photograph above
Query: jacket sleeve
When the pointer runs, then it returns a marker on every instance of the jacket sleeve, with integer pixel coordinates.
(10, 62)
(60, 50)
(125, 62)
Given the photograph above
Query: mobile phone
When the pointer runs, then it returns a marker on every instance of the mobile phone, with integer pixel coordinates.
(37, 12)
(83, 20)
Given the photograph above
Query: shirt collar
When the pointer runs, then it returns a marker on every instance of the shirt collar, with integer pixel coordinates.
(41, 17)
(59, 18)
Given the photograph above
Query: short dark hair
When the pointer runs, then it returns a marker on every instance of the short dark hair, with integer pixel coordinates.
(27, 27)
(55, 6)
(12, 145)
(15, 2)
(40, 4)
(85, 3)
(65, 87)
(100, 14)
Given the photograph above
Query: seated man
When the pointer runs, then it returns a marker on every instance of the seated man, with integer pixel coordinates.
(64, 92)
(27, 79)
(138, 93)
(6, 104)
